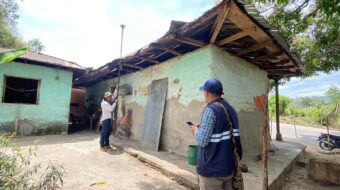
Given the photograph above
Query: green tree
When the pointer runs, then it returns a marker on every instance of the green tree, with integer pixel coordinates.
(333, 93)
(283, 104)
(8, 19)
(312, 27)
(35, 46)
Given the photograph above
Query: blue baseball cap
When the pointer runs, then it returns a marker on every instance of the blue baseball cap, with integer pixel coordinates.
(213, 86)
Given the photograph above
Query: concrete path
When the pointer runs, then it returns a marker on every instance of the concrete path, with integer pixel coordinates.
(177, 167)
(84, 164)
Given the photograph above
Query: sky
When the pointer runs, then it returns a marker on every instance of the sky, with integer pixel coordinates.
(88, 32)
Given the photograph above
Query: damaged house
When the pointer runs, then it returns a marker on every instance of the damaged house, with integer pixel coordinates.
(35, 92)
(230, 42)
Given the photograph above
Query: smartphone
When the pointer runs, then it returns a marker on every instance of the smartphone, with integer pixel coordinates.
(190, 123)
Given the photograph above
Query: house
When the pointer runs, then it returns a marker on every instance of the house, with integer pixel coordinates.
(230, 42)
(35, 92)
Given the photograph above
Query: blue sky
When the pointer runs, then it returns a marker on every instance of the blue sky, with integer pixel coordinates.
(88, 32)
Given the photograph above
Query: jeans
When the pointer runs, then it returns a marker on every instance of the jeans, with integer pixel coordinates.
(105, 133)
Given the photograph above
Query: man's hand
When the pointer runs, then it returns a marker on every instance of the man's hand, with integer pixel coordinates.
(193, 128)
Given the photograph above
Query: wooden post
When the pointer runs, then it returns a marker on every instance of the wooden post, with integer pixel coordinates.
(295, 127)
(278, 133)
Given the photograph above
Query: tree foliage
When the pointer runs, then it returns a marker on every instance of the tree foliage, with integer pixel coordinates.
(9, 37)
(8, 20)
(333, 93)
(284, 101)
(35, 46)
(8, 56)
(312, 27)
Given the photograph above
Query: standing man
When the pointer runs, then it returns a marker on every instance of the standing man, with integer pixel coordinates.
(108, 105)
(215, 156)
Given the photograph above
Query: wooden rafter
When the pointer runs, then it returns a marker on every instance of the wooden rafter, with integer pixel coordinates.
(132, 66)
(166, 49)
(255, 47)
(239, 35)
(218, 23)
(146, 59)
(243, 21)
(190, 41)
(279, 67)
(265, 57)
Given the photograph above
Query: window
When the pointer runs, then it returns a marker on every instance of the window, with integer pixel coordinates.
(20, 90)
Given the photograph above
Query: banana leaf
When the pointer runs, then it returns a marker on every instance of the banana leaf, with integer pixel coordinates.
(8, 56)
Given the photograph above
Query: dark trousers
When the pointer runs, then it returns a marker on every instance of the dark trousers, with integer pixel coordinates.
(105, 133)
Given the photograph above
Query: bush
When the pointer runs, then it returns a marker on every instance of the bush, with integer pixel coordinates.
(17, 171)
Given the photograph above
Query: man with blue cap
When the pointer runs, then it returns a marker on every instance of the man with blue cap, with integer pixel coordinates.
(218, 139)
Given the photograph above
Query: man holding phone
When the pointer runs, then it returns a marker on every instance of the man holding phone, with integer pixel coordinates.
(215, 156)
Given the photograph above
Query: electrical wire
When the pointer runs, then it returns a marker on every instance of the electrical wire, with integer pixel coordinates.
(20, 90)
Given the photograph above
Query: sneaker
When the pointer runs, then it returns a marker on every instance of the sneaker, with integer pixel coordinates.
(109, 147)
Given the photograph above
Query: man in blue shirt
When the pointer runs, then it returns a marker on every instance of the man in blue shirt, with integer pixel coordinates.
(215, 156)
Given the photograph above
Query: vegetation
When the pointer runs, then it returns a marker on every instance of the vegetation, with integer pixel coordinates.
(8, 56)
(9, 37)
(312, 27)
(310, 110)
(17, 171)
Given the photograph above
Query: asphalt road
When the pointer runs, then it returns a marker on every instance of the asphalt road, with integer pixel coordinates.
(306, 135)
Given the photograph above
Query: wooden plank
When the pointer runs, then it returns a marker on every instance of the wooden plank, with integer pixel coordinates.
(153, 117)
(243, 21)
(239, 35)
(166, 49)
(218, 23)
(190, 41)
(265, 57)
(254, 47)
(146, 59)
(132, 66)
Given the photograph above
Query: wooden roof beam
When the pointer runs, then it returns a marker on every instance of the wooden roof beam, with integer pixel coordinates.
(190, 41)
(265, 57)
(243, 21)
(146, 59)
(132, 66)
(158, 46)
(237, 36)
(255, 47)
(218, 23)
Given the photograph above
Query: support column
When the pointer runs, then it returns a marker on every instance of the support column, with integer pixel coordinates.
(278, 133)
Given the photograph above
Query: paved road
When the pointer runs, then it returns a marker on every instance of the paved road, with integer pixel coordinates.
(305, 135)
(84, 164)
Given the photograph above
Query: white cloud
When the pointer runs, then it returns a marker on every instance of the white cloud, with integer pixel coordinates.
(88, 32)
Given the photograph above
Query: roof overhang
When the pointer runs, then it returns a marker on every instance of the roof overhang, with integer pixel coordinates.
(231, 25)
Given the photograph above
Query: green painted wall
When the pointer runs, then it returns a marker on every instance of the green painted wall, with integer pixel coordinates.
(241, 82)
(50, 115)
(185, 75)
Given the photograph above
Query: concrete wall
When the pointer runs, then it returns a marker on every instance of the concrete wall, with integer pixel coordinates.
(185, 102)
(241, 82)
(50, 115)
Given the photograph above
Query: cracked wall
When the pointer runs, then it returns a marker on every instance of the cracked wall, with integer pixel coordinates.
(185, 102)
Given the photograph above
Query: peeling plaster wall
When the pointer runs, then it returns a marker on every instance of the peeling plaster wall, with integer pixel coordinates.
(185, 102)
(50, 115)
(242, 81)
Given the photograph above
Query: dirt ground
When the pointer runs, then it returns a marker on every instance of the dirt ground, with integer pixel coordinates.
(298, 177)
(85, 165)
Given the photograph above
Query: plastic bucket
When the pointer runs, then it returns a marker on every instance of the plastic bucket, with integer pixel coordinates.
(192, 154)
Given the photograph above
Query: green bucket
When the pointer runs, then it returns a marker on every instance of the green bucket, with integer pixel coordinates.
(192, 154)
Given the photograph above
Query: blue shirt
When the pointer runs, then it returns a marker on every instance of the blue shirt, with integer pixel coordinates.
(204, 132)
